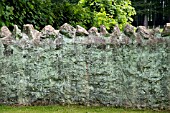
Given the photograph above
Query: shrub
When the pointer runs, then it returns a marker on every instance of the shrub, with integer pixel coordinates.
(86, 13)
(36, 12)
(72, 14)
(110, 12)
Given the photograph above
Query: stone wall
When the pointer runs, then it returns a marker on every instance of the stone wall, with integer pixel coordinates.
(122, 69)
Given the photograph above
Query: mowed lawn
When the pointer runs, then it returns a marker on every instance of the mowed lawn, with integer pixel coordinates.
(71, 109)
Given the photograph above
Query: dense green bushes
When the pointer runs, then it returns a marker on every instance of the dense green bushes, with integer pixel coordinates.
(72, 14)
(110, 12)
(86, 13)
(36, 12)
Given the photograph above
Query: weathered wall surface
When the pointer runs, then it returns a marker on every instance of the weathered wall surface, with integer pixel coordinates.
(126, 76)
(90, 74)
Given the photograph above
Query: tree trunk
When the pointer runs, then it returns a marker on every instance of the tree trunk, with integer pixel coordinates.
(155, 17)
(146, 20)
(146, 16)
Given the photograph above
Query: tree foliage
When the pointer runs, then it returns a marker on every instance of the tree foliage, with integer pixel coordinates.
(110, 12)
(86, 13)
(36, 12)
(72, 14)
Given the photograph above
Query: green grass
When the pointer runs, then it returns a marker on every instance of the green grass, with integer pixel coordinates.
(70, 109)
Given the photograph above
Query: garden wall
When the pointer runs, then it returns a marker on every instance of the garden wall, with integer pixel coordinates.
(88, 70)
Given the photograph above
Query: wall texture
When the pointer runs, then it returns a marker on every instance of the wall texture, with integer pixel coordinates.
(90, 74)
(127, 76)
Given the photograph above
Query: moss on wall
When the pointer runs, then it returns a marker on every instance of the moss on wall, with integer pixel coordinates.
(126, 76)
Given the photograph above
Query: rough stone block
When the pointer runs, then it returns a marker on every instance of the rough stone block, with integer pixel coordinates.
(166, 30)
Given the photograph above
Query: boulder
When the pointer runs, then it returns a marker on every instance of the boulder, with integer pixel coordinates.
(152, 41)
(97, 40)
(36, 37)
(24, 41)
(24, 37)
(57, 32)
(68, 30)
(16, 32)
(80, 31)
(113, 41)
(93, 31)
(6, 35)
(103, 31)
(115, 36)
(32, 33)
(138, 40)
(7, 40)
(166, 30)
(5, 32)
(58, 41)
(168, 25)
(124, 39)
(156, 30)
(28, 30)
(116, 32)
(48, 43)
(49, 32)
(145, 33)
(129, 30)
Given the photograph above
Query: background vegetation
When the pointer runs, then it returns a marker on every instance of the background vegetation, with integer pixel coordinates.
(151, 13)
(86, 13)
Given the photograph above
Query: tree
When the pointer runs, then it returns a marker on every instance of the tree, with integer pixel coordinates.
(110, 12)
(73, 14)
(36, 12)
(152, 12)
(62, 1)
(167, 9)
(86, 13)
(145, 16)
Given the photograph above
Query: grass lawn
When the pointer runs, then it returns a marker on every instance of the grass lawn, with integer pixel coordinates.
(70, 109)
